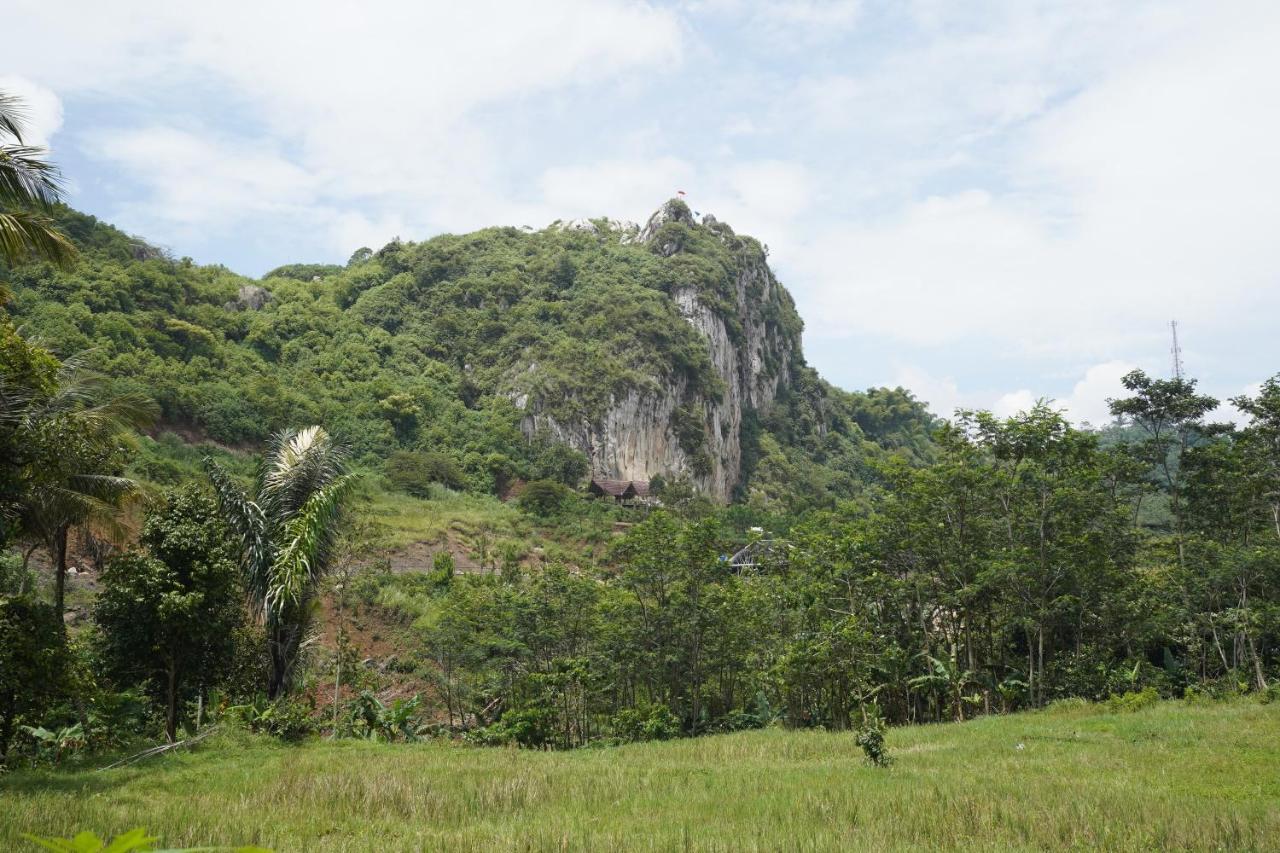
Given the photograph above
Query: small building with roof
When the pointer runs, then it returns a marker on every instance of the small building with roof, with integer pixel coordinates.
(625, 492)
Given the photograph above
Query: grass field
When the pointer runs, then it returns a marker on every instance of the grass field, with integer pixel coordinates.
(1172, 776)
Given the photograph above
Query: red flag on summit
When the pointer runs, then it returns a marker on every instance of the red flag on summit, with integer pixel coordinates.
(680, 193)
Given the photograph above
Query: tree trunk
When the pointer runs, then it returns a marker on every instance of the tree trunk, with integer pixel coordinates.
(6, 726)
(1040, 666)
(59, 555)
(337, 677)
(280, 646)
(171, 701)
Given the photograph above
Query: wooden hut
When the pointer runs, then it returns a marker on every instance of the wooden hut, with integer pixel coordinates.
(626, 492)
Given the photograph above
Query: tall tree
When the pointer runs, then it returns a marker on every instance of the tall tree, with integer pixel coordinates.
(29, 187)
(168, 613)
(287, 532)
(1171, 413)
(71, 440)
(1261, 443)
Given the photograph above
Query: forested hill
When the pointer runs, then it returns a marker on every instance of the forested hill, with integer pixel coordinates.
(666, 350)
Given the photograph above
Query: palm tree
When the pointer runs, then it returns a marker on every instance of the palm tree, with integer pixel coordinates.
(71, 438)
(287, 532)
(29, 187)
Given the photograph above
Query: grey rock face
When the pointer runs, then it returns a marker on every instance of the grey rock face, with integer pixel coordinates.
(251, 297)
(635, 439)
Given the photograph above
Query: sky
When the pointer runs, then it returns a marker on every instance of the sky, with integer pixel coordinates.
(986, 202)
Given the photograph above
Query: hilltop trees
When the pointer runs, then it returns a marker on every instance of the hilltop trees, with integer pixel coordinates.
(287, 532)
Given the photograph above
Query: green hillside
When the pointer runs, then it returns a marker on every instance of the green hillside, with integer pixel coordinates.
(1172, 776)
(424, 346)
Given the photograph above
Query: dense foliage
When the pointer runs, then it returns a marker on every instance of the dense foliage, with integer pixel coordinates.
(169, 611)
(425, 348)
(889, 568)
(1008, 574)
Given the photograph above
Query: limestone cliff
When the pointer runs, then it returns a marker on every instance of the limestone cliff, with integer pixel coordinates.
(751, 332)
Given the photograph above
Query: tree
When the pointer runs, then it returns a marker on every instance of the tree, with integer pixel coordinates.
(168, 613)
(29, 187)
(414, 471)
(72, 439)
(1261, 443)
(544, 498)
(287, 532)
(32, 661)
(1170, 412)
(27, 373)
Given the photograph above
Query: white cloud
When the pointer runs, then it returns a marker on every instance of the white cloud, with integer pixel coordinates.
(1227, 413)
(941, 394)
(623, 188)
(41, 109)
(197, 180)
(815, 17)
(1150, 194)
(1084, 403)
(1045, 182)
(821, 14)
(328, 106)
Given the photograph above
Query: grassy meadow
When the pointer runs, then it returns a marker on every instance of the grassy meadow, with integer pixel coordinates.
(1172, 776)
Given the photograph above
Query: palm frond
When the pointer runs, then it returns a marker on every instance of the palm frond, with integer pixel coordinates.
(26, 179)
(86, 395)
(308, 539)
(299, 463)
(249, 523)
(13, 115)
(121, 412)
(24, 235)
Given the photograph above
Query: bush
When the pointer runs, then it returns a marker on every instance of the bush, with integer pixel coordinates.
(737, 721)
(288, 719)
(33, 663)
(531, 727)
(414, 471)
(871, 739)
(1131, 701)
(544, 498)
(14, 580)
(652, 722)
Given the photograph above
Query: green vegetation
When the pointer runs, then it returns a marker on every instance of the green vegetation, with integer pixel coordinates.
(29, 187)
(287, 531)
(422, 349)
(1173, 776)
(429, 571)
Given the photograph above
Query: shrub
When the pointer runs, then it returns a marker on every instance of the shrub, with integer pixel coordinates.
(14, 579)
(287, 719)
(369, 718)
(871, 739)
(544, 497)
(414, 472)
(1131, 701)
(33, 663)
(652, 722)
(737, 721)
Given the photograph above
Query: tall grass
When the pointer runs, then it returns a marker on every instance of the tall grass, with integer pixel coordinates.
(1171, 776)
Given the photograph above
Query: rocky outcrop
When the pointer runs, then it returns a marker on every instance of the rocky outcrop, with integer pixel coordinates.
(668, 429)
(250, 297)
